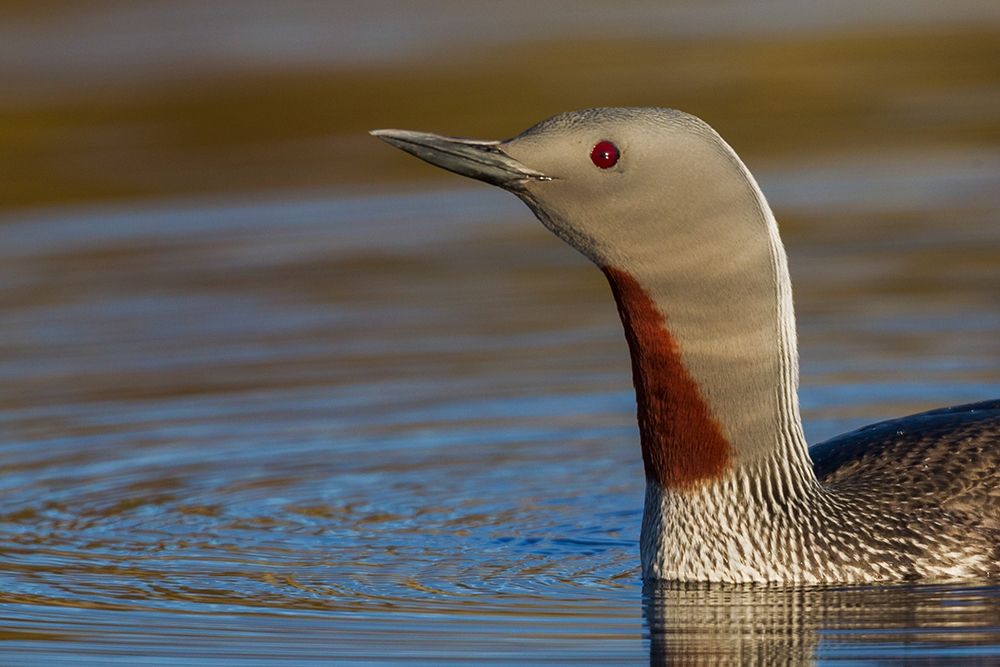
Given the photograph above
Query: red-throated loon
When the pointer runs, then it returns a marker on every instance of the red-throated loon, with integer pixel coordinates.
(670, 214)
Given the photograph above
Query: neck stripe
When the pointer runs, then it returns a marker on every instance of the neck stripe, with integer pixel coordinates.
(682, 443)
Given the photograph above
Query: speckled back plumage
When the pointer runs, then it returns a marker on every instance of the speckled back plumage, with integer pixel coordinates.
(935, 471)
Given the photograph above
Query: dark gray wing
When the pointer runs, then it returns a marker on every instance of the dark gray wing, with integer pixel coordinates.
(946, 431)
(949, 457)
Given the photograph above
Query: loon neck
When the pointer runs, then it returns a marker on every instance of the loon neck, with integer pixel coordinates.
(711, 334)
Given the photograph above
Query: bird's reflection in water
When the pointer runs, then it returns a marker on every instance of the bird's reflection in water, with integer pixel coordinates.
(747, 624)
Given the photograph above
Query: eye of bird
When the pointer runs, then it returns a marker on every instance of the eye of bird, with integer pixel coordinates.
(604, 154)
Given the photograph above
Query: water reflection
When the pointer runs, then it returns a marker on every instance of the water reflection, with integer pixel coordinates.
(796, 625)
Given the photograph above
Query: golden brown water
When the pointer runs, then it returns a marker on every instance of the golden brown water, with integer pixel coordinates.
(273, 392)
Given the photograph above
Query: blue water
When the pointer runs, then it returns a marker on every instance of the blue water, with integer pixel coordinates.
(386, 427)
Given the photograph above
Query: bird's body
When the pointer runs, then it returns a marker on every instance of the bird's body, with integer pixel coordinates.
(691, 250)
(909, 498)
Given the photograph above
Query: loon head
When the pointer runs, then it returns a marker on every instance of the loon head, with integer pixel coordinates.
(608, 181)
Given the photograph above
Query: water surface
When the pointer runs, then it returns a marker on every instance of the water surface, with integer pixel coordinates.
(271, 393)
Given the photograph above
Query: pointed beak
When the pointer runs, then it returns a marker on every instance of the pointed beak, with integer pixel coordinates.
(482, 160)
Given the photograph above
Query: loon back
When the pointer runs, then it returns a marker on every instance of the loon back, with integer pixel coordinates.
(948, 457)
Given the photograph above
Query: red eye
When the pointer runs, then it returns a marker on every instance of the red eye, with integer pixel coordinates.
(604, 154)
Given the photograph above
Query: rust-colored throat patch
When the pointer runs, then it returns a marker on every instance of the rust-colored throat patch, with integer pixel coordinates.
(682, 443)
